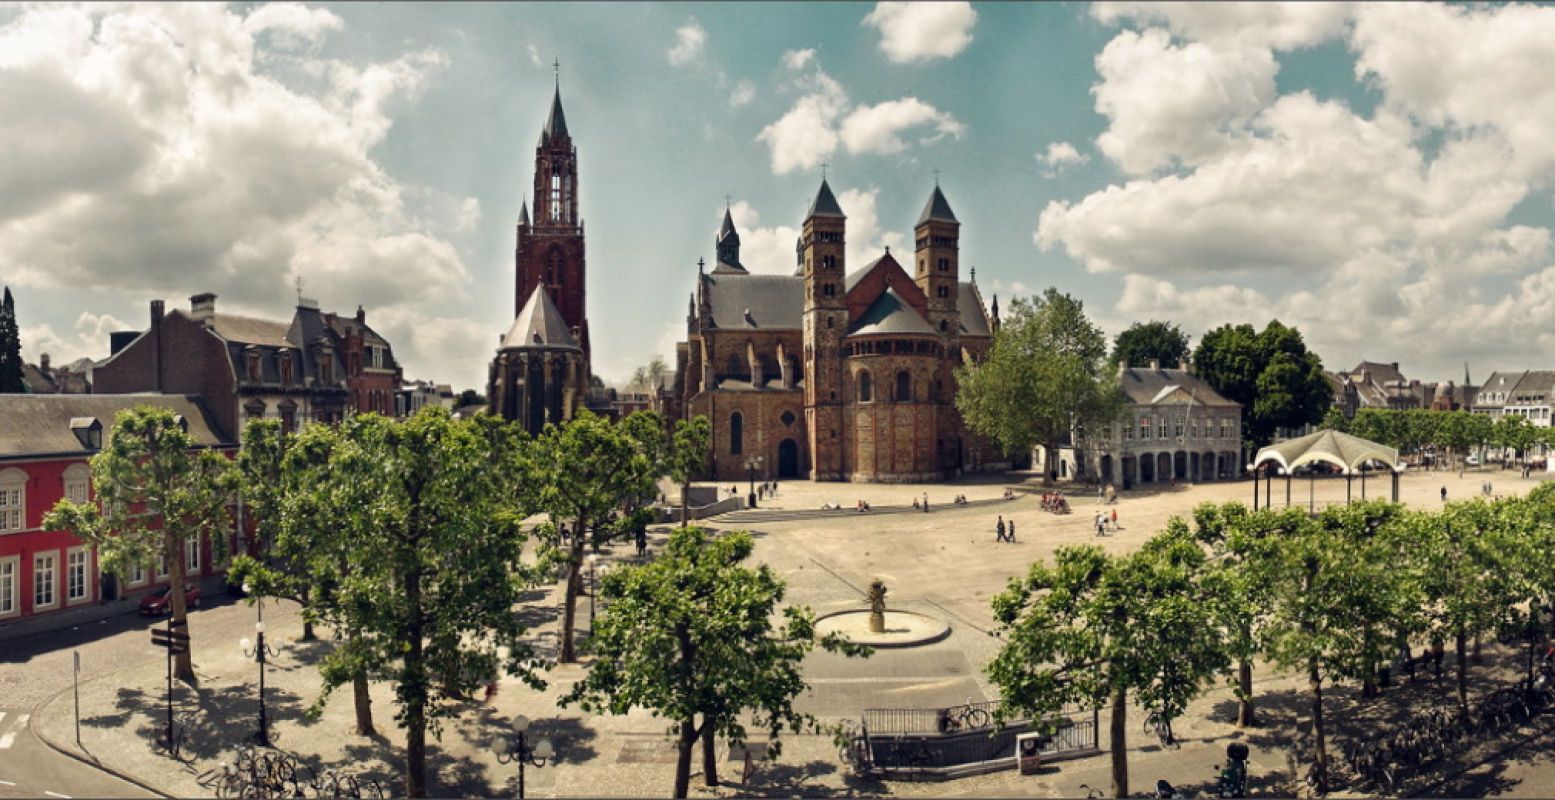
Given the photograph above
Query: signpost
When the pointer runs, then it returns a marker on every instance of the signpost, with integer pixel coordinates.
(175, 642)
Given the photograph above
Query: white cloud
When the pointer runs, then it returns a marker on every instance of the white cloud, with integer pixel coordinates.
(876, 129)
(534, 56)
(689, 40)
(798, 59)
(822, 117)
(1060, 155)
(1393, 226)
(88, 339)
(743, 93)
(912, 32)
(156, 119)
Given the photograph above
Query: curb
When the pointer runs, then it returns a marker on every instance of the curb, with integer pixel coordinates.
(90, 762)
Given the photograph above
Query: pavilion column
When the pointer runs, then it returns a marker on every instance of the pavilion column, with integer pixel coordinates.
(1363, 482)
(1312, 492)
(1347, 478)
(1395, 486)
(1268, 489)
(1255, 488)
(1287, 487)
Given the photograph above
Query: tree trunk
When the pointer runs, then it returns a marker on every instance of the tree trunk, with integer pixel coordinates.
(1050, 464)
(1244, 712)
(183, 663)
(1475, 656)
(308, 634)
(414, 678)
(574, 588)
(685, 489)
(364, 705)
(1120, 743)
(1319, 737)
(709, 752)
(688, 735)
(1463, 673)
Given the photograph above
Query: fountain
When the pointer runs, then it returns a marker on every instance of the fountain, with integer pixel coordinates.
(878, 626)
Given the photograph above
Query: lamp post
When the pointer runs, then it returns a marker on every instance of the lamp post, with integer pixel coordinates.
(519, 750)
(259, 651)
(591, 560)
(751, 465)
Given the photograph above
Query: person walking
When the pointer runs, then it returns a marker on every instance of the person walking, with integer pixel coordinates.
(1444, 494)
(925, 502)
(1011, 537)
(1114, 519)
(999, 529)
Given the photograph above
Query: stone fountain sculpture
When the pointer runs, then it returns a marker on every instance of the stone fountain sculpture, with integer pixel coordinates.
(877, 606)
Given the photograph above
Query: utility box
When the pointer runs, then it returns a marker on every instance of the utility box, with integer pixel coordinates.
(1028, 752)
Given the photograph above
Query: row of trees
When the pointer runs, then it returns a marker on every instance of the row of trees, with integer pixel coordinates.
(1456, 433)
(1049, 374)
(1333, 597)
(406, 539)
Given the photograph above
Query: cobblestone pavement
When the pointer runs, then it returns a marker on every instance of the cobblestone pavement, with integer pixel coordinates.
(944, 563)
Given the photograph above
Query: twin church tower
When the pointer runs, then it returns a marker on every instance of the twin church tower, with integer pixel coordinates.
(821, 374)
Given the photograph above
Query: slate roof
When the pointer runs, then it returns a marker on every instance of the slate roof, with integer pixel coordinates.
(775, 302)
(974, 320)
(248, 330)
(1498, 383)
(937, 209)
(825, 203)
(39, 425)
(890, 314)
(556, 124)
(1534, 389)
(37, 381)
(1380, 373)
(523, 213)
(1145, 386)
(727, 229)
(539, 325)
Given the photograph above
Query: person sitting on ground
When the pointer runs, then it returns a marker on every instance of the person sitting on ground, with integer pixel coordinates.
(915, 502)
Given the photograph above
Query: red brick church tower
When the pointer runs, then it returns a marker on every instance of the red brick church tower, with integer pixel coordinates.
(550, 250)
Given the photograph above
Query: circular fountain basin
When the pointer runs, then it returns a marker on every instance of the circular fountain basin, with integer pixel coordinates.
(902, 628)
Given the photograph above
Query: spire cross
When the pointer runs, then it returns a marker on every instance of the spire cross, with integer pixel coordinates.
(556, 64)
(936, 177)
(974, 274)
(726, 202)
(298, 283)
(824, 165)
(701, 264)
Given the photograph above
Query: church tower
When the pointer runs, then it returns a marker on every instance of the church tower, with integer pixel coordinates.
(549, 253)
(938, 274)
(822, 247)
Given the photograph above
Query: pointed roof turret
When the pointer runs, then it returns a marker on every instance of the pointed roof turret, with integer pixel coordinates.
(539, 325)
(556, 124)
(937, 209)
(523, 213)
(727, 229)
(825, 203)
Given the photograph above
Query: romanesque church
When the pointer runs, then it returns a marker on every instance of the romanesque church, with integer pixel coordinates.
(541, 372)
(834, 375)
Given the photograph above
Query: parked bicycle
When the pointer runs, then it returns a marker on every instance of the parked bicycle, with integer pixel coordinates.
(964, 718)
(1161, 727)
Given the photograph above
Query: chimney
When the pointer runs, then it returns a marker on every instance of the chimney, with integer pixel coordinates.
(361, 316)
(156, 343)
(1155, 364)
(202, 307)
(43, 364)
(1394, 365)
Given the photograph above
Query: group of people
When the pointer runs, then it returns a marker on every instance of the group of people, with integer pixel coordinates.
(1004, 532)
(1105, 521)
(924, 506)
(863, 505)
(960, 500)
(1055, 502)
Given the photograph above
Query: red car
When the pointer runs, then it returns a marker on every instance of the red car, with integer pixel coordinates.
(158, 603)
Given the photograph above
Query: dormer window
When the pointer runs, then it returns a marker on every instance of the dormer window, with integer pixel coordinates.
(326, 368)
(253, 364)
(88, 431)
(286, 368)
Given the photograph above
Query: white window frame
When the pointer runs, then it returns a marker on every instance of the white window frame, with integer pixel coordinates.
(52, 558)
(85, 567)
(192, 556)
(10, 586)
(78, 483)
(13, 500)
(139, 574)
(162, 571)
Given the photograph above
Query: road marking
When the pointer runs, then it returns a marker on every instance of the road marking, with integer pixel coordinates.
(2, 716)
(56, 794)
(10, 738)
(7, 783)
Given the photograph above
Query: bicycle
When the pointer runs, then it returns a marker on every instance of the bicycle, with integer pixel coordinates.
(1092, 794)
(854, 751)
(1161, 728)
(222, 780)
(964, 718)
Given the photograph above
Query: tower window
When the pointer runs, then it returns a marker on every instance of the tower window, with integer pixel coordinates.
(736, 434)
(944, 264)
(944, 291)
(556, 196)
(828, 262)
(865, 387)
(903, 387)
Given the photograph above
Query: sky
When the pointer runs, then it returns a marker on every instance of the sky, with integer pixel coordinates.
(1379, 175)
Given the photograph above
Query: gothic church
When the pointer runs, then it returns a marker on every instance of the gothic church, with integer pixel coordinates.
(834, 375)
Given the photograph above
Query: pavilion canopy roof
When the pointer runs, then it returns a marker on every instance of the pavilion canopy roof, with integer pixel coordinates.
(1340, 449)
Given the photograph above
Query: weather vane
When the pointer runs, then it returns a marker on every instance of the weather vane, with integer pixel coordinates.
(936, 177)
(824, 165)
(556, 64)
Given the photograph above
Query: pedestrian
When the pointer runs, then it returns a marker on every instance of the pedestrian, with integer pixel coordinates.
(1444, 494)
(641, 534)
(491, 691)
(1114, 519)
(1000, 529)
(925, 502)
(1011, 537)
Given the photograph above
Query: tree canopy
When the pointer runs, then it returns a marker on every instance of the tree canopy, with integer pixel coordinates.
(1279, 383)
(1144, 342)
(1045, 377)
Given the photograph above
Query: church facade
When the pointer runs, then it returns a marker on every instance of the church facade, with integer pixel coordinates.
(832, 375)
(541, 370)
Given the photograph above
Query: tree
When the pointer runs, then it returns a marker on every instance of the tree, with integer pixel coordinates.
(1095, 627)
(1144, 342)
(589, 471)
(1278, 382)
(425, 507)
(1468, 575)
(1335, 420)
(688, 455)
(650, 376)
(691, 637)
(155, 492)
(1044, 378)
(470, 397)
(11, 381)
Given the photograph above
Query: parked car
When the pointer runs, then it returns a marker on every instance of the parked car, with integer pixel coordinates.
(158, 602)
(1472, 461)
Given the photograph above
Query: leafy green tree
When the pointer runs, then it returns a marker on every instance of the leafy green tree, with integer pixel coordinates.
(426, 594)
(1514, 433)
(689, 447)
(470, 397)
(155, 491)
(1468, 575)
(1094, 628)
(260, 491)
(1045, 377)
(589, 471)
(1279, 383)
(1144, 342)
(1335, 420)
(1480, 430)
(691, 636)
(649, 376)
(10, 348)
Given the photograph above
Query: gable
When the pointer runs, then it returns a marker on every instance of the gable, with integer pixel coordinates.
(868, 284)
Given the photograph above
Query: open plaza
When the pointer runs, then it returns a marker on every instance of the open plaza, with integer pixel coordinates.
(944, 564)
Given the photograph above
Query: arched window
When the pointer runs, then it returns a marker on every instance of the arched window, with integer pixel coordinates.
(556, 195)
(903, 387)
(736, 434)
(78, 482)
(866, 389)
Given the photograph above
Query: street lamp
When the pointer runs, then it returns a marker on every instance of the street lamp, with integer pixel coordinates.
(751, 465)
(258, 651)
(591, 560)
(519, 750)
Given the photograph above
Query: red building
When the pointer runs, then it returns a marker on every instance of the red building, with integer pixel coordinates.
(45, 444)
(372, 375)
